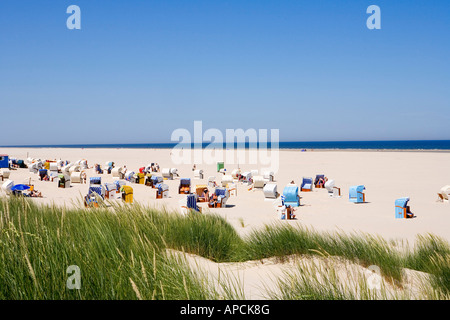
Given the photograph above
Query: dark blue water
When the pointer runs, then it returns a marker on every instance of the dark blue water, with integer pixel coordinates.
(377, 145)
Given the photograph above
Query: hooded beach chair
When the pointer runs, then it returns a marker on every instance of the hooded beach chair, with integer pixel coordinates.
(129, 175)
(75, 177)
(356, 194)
(174, 172)
(7, 186)
(95, 180)
(246, 177)
(199, 192)
(117, 172)
(222, 197)
(269, 176)
(63, 181)
(190, 204)
(185, 186)
(97, 189)
(162, 191)
(307, 184)
(148, 180)
(226, 179)
(235, 173)
(83, 164)
(140, 178)
(75, 168)
(43, 174)
(198, 174)
(167, 174)
(259, 182)
(156, 180)
(333, 191)
(4, 174)
(320, 180)
(212, 182)
(33, 167)
(119, 184)
(270, 191)
(290, 195)
(98, 169)
(402, 210)
(91, 201)
(220, 166)
(53, 167)
(444, 194)
(108, 167)
(127, 194)
(110, 190)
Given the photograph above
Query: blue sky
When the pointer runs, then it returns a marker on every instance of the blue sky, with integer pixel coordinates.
(137, 70)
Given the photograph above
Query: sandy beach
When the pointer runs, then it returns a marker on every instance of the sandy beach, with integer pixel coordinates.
(387, 175)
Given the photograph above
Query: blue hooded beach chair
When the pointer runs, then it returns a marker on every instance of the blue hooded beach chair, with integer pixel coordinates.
(307, 184)
(96, 189)
(191, 202)
(291, 197)
(356, 194)
(95, 180)
(402, 208)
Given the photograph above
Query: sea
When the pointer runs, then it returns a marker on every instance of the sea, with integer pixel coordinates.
(295, 145)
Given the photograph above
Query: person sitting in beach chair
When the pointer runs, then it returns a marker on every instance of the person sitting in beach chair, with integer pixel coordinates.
(290, 213)
(213, 201)
(98, 168)
(43, 175)
(320, 180)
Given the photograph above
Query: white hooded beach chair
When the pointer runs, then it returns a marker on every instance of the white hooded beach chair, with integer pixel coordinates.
(211, 182)
(270, 191)
(75, 168)
(235, 173)
(53, 167)
(76, 177)
(117, 172)
(33, 168)
(333, 191)
(246, 177)
(198, 174)
(226, 179)
(84, 164)
(269, 176)
(174, 172)
(444, 194)
(167, 174)
(4, 173)
(7, 185)
(258, 182)
(254, 172)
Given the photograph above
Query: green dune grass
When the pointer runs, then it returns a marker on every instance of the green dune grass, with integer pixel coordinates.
(122, 253)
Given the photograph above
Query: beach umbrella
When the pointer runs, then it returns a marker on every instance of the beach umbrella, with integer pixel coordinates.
(20, 187)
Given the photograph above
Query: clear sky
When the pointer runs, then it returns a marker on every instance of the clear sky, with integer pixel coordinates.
(137, 70)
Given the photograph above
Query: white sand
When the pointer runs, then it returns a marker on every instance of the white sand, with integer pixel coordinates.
(386, 175)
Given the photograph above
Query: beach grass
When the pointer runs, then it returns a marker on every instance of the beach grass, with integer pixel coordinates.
(122, 254)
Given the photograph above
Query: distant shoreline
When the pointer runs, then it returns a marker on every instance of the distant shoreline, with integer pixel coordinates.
(280, 149)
